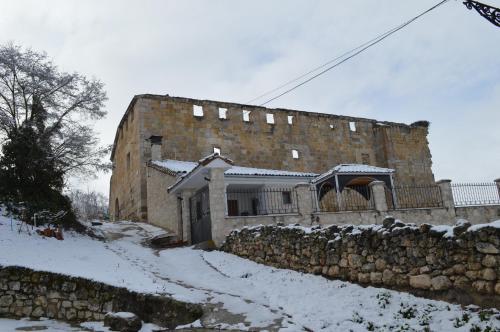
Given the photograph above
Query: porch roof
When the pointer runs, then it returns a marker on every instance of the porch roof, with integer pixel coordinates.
(182, 168)
(354, 169)
(193, 174)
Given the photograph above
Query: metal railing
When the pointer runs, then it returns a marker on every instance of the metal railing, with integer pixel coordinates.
(352, 198)
(261, 201)
(467, 194)
(417, 196)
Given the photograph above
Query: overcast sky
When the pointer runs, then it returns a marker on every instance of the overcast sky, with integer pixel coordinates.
(444, 68)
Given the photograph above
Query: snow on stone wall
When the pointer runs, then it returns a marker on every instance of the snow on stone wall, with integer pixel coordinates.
(28, 293)
(459, 264)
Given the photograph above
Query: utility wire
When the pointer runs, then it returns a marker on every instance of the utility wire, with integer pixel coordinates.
(356, 51)
(319, 67)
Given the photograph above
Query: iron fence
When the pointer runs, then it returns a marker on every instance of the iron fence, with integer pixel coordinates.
(466, 194)
(416, 196)
(352, 198)
(261, 201)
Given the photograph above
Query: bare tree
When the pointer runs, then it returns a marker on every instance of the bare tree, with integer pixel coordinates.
(71, 100)
(89, 205)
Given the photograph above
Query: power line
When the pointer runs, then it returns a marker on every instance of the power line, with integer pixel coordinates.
(356, 51)
(317, 68)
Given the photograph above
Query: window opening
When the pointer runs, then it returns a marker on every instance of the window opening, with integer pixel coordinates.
(246, 115)
(270, 118)
(365, 158)
(222, 113)
(295, 154)
(197, 110)
(352, 126)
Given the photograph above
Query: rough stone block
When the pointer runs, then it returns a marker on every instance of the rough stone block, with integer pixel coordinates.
(441, 283)
(422, 281)
(487, 248)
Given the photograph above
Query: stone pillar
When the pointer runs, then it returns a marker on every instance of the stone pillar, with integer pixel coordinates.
(217, 196)
(305, 200)
(377, 189)
(446, 194)
(186, 215)
(497, 181)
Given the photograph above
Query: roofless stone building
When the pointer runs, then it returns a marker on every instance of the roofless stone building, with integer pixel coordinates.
(161, 138)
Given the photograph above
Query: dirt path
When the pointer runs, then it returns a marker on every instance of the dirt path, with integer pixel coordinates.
(216, 315)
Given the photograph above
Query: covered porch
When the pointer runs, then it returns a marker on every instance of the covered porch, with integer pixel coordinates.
(346, 187)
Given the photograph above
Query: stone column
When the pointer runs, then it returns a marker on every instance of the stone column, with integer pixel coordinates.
(217, 196)
(377, 189)
(186, 215)
(446, 194)
(497, 181)
(305, 201)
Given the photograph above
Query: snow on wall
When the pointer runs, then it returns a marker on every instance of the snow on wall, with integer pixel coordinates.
(458, 263)
(28, 293)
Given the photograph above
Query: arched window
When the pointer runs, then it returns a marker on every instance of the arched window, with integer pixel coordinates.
(117, 210)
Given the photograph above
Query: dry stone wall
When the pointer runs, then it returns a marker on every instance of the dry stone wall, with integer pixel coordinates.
(444, 262)
(28, 293)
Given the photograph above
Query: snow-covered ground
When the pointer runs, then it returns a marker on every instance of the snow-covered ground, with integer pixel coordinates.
(236, 293)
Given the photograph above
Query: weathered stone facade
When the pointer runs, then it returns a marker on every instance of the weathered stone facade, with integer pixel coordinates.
(166, 211)
(321, 140)
(28, 293)
(464, 267)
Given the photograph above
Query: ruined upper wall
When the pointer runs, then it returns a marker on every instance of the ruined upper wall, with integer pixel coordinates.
(321, 140)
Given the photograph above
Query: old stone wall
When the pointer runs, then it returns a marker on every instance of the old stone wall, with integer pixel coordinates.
(451, 263)
(28, 293)
(478, 214)
(126, 178)
(321, 140)
(163, 208)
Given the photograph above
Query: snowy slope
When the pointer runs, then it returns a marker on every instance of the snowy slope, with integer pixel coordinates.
(236, 293)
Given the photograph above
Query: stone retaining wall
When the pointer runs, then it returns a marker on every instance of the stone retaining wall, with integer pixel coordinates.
(444, 262)
(28, 293)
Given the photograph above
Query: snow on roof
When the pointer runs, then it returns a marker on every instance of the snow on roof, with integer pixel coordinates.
(360, 168)
(184, 167)
(239, 170)
(177, 166)
(354, 168)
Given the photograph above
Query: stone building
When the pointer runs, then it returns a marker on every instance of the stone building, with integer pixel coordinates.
(164, 127)
(161, 130)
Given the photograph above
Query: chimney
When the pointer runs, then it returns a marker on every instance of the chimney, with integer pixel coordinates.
(156, 147)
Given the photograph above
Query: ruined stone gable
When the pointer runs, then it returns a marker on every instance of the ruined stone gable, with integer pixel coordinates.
(256, 137)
